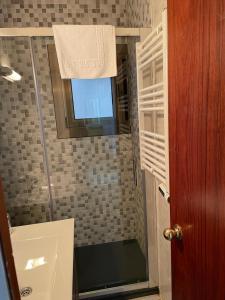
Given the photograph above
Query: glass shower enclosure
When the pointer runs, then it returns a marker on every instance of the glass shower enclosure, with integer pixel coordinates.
(95, 179)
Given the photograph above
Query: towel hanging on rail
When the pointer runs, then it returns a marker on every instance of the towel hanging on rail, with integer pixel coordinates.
(86, 51)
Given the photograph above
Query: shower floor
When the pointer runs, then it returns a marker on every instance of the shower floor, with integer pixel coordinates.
(109, 265)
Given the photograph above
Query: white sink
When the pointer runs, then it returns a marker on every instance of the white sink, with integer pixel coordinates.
(43, 256)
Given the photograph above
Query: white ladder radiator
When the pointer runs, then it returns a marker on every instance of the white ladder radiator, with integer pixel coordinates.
(152, 79)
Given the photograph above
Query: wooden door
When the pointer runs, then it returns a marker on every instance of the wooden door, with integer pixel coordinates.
(5, 242)
(197, 146)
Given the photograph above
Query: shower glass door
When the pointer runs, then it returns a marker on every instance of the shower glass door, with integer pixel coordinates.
(22, 164)
(94, 178)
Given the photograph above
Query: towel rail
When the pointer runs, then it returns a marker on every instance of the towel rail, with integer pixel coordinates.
(153, 141)
(152, 87)
(151, 95)
(152, 134)
(146, 145)
(153, 102)
(151, 51)
(157, 55)
(47, 31)
(152, 34)
(154, 154)
(148, 46)
(150, 109)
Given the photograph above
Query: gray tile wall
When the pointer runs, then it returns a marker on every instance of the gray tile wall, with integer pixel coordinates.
(47, 12)
(21, 153)
(92, 178)
(138, 15)
(139, 193)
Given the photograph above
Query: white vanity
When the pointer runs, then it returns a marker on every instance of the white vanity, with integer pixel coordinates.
(44, 259)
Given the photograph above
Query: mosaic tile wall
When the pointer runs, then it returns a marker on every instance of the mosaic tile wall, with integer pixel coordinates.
(44, 13)
(139, 13)
(107, 169)
(139, 194)
(144, 13)
(21, 156)
(92, 177)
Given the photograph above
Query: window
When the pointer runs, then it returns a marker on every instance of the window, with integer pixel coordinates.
(92, 98)
(90, 107)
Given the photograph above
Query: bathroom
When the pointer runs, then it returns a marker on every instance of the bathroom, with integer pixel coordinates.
(90, 164)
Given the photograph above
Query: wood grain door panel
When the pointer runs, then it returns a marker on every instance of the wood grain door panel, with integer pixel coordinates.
(197, 146)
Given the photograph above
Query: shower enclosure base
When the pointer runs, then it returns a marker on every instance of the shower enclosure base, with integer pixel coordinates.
(109, 265)
(125, 292)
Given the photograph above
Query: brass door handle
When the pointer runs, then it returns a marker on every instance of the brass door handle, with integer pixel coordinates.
(173, 233)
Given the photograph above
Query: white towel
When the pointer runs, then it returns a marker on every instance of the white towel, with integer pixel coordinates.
(86, 51)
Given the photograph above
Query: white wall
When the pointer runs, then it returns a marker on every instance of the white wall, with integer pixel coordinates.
(4, 292)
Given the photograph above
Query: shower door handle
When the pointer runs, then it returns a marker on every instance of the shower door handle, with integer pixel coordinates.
(173, 233)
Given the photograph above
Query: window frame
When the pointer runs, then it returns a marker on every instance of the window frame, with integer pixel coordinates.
(79, 126)
(66, 124)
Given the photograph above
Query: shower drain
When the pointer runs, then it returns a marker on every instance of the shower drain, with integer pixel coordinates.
(26, 291)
